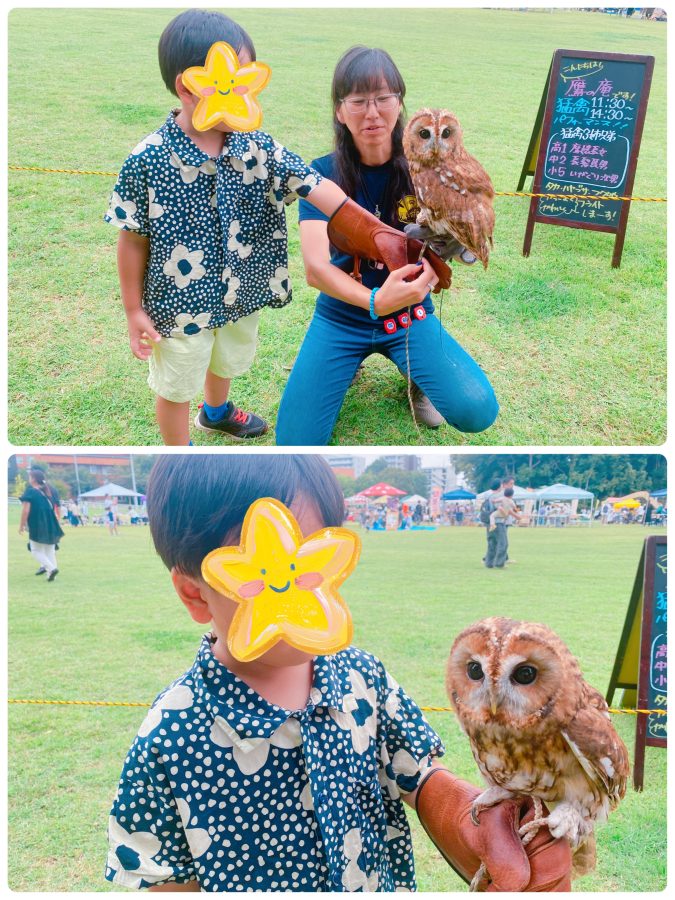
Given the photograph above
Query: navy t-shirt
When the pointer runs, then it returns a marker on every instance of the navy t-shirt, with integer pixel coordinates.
(370, 194)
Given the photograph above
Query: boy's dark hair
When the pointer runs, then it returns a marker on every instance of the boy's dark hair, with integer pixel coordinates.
(495, 485)
(186, 40)
(508, 492)
(197, 503)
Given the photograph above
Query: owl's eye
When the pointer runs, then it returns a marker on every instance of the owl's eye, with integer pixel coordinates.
(524, 675)
(474, 670)
(446, 133)
(425, 133)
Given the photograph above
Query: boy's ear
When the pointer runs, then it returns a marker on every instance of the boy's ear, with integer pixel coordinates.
(183, 93)
(190, 592)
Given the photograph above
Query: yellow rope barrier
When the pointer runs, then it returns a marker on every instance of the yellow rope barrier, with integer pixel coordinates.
(629, 712)
(497, 193)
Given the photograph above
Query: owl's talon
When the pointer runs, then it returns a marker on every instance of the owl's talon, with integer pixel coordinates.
(479, 877)
(475, 811)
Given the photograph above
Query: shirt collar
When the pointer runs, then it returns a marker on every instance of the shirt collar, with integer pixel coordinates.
(243, 709)
(237, 143)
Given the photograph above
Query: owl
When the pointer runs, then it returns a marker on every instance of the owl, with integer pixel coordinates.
(536, 728)
(454, 191)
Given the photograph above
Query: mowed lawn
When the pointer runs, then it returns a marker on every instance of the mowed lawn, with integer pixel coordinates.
(110, 628)
(574, 348)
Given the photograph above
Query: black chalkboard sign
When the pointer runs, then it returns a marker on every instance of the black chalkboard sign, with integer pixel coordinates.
(641, 665)
(589, 141)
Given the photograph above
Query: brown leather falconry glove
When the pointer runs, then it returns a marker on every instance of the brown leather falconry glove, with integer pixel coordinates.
(443, 804)
(359, 233)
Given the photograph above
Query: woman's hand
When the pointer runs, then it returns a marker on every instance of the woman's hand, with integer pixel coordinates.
(397, 293)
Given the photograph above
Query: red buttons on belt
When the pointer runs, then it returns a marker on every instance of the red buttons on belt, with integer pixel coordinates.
(420, 312)
(389, 326)
(404, 320)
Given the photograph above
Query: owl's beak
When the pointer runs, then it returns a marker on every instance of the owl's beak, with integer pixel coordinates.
(493, 703)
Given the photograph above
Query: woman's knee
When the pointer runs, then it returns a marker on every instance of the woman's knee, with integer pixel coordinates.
(477, 411)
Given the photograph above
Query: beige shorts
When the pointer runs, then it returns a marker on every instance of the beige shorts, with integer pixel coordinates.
(178, 365)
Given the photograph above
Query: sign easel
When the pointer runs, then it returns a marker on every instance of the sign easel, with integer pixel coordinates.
(641, 664)
(586, 141)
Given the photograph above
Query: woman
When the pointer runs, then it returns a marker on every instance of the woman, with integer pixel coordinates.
(40, 511)
(369, 165)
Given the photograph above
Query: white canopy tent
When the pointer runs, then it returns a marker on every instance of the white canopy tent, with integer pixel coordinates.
(109, 489)
(564, 493)
(520, 494)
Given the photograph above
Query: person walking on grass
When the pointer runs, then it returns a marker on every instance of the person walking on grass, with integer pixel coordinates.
(40, 513)
(110, 507)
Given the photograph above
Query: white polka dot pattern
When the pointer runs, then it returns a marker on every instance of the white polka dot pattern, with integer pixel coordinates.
(217, 227)
(223, 787)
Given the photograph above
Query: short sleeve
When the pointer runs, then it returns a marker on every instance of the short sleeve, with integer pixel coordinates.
(147, 841)
(306, 210)
(129, 201)
(295, 177)
(409, 742)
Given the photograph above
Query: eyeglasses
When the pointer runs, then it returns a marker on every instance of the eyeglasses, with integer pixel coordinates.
(360, 104)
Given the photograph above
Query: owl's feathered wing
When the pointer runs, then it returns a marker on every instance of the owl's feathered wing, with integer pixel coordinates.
(603, 757)
(465, 212)
(600, 751)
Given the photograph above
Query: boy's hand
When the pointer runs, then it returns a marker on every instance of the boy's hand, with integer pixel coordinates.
(141, 332)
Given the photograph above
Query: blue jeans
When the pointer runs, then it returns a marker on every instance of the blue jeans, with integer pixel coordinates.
(333, 350)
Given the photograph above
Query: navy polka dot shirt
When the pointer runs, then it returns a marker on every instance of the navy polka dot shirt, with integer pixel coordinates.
(223, 787)
(217, 228)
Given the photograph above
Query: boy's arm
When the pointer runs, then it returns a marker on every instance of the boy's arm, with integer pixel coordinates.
(132, 260)
(172, 886)
(326, 196)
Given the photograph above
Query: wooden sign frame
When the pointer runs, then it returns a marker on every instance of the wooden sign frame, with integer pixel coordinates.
(550, 91)
(641, 604)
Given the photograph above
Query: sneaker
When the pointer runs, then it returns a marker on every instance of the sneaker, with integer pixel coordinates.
(41, 571)
(358, 374)
(52, 575)
(424, 410)
(237, 424)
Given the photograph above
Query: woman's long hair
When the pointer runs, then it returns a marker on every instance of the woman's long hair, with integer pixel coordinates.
(362, 69)
(38, 477)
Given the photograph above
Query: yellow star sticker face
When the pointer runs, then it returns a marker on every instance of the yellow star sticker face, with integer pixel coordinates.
(226, 90)
(286, 586)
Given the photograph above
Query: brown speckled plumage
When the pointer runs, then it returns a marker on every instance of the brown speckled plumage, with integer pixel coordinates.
(551, 738)
(454, 191)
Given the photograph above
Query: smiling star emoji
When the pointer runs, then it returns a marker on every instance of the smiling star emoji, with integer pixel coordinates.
(286, 586)
(226, 90)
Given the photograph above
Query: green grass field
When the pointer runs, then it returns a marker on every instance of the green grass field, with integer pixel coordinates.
(109, 627)
(575, 349)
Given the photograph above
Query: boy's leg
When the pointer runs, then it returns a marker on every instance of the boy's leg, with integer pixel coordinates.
(323, 371)
(451, 379)
(174, 422)
(232, 354)
(177, 369)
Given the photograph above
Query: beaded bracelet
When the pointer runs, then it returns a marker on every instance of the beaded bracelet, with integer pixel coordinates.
(373, 314)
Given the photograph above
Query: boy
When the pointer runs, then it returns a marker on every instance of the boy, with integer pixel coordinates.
(202, 245)
(505, 507)
(286, 772)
